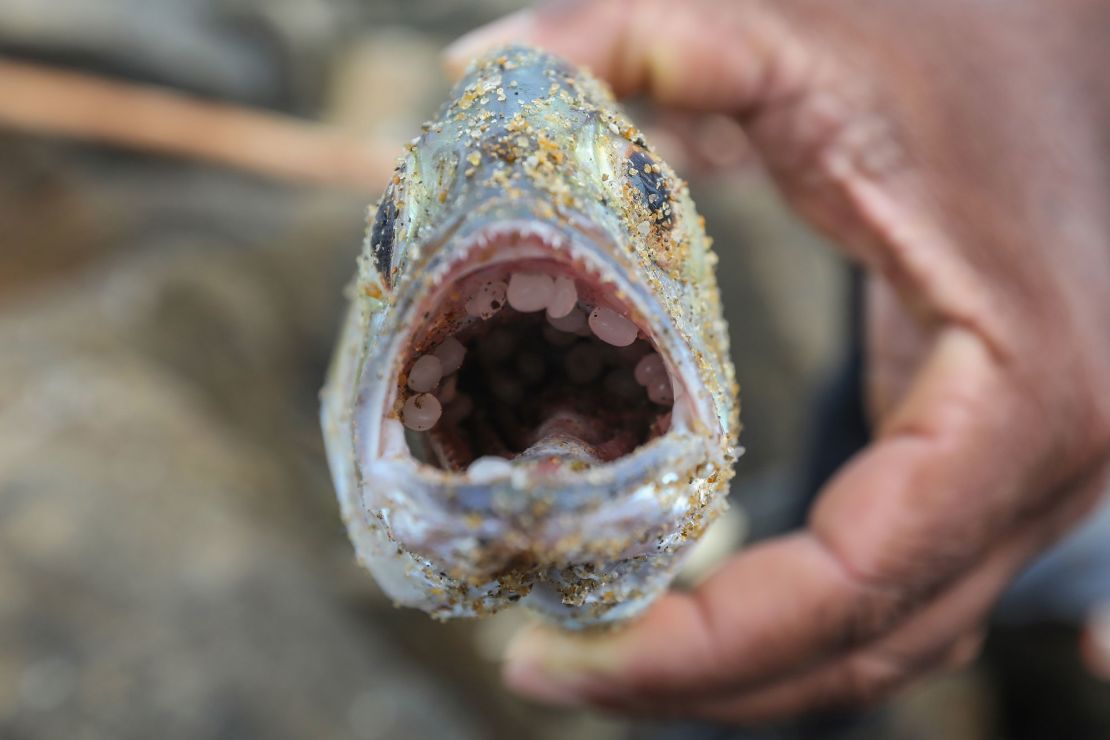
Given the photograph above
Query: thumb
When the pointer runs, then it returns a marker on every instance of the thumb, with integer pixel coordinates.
(754, 60)
(697, 55)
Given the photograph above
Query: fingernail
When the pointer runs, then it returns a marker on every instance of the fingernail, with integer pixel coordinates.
(514, 28)
(530, 681)
(552, 668)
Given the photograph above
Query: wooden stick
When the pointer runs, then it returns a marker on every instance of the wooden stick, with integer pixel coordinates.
(57, 102)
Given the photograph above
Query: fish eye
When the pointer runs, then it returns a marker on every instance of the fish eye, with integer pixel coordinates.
(649, 180)
(382, 234)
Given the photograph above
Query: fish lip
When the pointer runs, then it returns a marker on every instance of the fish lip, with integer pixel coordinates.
(627, 506)
(451, 249)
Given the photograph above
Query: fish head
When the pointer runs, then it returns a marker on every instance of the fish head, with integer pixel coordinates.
(532, 397)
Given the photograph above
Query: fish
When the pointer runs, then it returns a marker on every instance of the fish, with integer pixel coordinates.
(531, 400)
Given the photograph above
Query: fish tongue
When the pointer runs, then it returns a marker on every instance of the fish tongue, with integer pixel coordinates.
(567, 436)
(563, 448)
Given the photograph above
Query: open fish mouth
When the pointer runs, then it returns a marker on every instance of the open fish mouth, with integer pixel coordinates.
(530, 348)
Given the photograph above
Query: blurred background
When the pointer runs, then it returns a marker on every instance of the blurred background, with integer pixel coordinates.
(183, 193)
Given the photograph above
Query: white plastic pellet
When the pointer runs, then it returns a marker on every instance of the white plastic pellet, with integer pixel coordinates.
(487, 300)
(649, 369)
(425, 374)
(583, 364)
(488, 468)
(420, 413)
(530, 291)
(573, 323)
(563, 299)
(451, 354)
(612, 328)
(660, 392)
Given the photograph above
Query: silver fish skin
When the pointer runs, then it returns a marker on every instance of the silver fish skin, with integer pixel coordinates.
(575, 499)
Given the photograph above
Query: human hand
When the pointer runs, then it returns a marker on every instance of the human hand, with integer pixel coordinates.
(959, 152)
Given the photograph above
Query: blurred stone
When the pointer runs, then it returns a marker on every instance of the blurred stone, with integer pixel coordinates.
(189, 44)
(161, 549)
(48, 229)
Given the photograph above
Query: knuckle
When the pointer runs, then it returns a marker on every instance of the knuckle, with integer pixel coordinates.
(879, 602)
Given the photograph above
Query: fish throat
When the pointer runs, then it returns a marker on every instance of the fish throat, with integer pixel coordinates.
(524, 351)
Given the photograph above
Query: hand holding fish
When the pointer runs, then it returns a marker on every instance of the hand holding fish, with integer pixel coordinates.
(957, 151)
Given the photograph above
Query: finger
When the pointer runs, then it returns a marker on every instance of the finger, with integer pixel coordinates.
(816, 127)
(695, 54)
(690, 642)
(857, 678)
(940, 635)
(945, 634)
(895, 345)
(855, 682)
(824, 131)
(902, 521)
(699, 143)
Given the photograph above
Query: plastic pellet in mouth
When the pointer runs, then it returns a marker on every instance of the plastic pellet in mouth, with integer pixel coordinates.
(425, 374)
(649, 369)
(558, 338)
(611, 355)
(573, 323)
(506, 389)
(620, 383)
(530, 367)
(488, 468)
(420, 413)
(582, 364)
(530, 291)
(488, 300)
(612, 328)
(662, 423)
(563, 299)
(496, 346)
(451, 353)
(448, 389)
(661, 392)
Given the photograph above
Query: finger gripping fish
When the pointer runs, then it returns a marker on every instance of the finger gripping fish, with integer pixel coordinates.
(531, 399)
